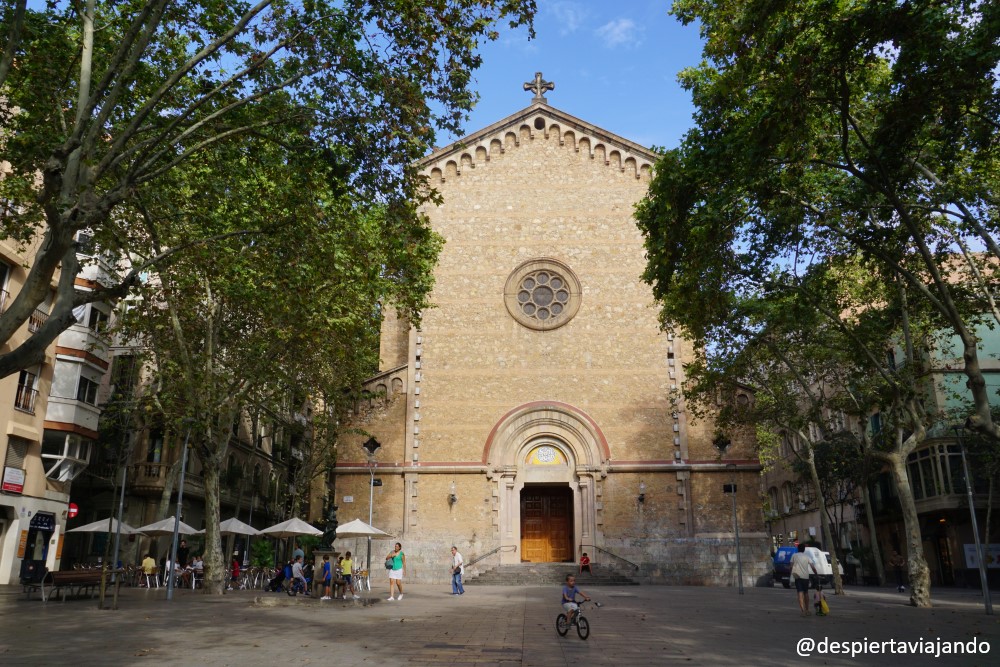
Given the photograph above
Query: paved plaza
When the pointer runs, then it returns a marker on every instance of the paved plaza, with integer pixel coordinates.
(489, 625)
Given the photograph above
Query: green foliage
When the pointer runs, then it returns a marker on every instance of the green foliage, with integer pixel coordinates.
(852, 145)
(308, 543)
(836, 199)
(160, 127)
(262, 553)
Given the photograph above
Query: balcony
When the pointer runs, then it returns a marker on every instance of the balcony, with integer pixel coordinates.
(37, 319)
(73, 411)
(149, 479)
(25, 399)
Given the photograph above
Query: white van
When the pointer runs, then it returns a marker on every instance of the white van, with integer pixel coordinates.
(824, 567)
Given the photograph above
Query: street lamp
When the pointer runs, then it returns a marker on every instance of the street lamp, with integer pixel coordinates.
(371, 445)
(731, 489)
(177, 515)
(980, 555)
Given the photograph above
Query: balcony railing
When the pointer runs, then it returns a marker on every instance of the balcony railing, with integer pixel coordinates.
(25, 399)
(150, 477)
(37, 319)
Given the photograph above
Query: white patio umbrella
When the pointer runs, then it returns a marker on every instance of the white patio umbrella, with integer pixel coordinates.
(291, 528)
(166, 527)
(359, 528)
(234, 527)
(102, 527)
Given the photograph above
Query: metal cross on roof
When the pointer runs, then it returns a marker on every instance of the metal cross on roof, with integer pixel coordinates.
(539, 86)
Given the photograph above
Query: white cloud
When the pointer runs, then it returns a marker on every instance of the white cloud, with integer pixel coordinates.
(620, 31)
(569, 15)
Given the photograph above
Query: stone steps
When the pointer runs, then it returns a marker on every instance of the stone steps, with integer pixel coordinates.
(549, 574)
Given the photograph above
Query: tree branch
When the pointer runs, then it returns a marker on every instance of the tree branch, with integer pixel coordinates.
(13, 41)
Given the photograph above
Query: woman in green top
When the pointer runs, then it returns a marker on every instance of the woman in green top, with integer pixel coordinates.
(397, 571)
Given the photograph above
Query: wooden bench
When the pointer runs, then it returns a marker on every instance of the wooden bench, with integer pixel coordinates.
(80, 580)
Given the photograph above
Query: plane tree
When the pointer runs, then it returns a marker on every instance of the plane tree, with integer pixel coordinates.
(839, 132)
(103, 102)
(265, 322)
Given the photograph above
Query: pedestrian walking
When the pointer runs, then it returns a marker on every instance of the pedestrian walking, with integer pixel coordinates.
(457, 568)
(397, 572)
(802, 569)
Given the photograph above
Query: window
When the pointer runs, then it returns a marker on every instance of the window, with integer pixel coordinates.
(154, 450)
(87, 391)
(787, 497)
(37, 319)
(98, 319)
(772, 499)
(124, 374)
(875, 421)
(4, 295)
(26, 395)
(935, 471)
(807, 495)
(85, 243)
(64, 455)
(786, 444)
(542, 294)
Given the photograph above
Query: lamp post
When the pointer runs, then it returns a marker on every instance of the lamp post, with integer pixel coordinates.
(371, 446)
(980, 555)
(177, 515)
(731, 489)
(253, 501)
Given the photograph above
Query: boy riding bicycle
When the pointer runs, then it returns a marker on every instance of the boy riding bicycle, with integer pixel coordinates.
(569, 593)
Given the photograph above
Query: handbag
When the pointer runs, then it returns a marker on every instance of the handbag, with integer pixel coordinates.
(388, 563)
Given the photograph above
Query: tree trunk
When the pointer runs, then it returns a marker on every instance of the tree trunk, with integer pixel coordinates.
(872, 536)
(920, 578)
(838, 582)
(215, 561)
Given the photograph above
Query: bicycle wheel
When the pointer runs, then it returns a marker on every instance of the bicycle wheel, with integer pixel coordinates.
(562, 625)
(582, 627)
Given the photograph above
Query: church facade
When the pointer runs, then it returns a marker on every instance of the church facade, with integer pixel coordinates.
(537, 413)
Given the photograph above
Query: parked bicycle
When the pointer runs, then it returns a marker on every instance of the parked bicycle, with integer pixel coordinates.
(563, 623)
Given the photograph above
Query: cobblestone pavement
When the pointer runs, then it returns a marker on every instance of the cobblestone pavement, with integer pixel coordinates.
(489, 625)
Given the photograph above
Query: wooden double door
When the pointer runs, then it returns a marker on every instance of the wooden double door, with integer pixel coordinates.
(546, 524)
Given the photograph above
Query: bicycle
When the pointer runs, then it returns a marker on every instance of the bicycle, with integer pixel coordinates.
(579, 620)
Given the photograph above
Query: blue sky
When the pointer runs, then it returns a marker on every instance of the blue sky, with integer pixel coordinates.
(614, 64)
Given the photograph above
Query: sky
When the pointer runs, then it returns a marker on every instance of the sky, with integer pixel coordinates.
(614, 65)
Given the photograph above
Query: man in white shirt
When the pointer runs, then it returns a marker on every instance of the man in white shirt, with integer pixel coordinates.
(456, 572)
(802, 567)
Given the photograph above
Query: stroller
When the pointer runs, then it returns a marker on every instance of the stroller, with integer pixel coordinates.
(277, 583)
(297, 586)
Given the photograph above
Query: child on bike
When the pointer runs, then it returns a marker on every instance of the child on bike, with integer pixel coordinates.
(569, 594)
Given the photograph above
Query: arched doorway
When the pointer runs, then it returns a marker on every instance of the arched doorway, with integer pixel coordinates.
(547, 461)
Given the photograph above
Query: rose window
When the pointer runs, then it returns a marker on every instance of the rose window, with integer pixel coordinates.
(542, 294)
